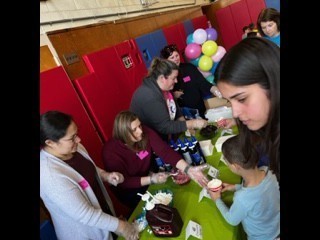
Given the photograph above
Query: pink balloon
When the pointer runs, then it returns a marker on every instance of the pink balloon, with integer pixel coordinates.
(192, 50)
(219, 54)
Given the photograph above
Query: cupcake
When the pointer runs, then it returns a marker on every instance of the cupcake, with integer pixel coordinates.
(215, 185)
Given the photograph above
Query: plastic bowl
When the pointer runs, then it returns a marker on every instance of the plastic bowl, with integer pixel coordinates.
(209, 131)
(181, 178)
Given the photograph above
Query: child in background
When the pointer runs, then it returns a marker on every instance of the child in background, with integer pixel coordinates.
(245, 30)
(256, 202)
(250, 31)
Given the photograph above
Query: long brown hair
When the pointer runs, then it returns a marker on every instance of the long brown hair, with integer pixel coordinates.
(122, 131)
(256, 60)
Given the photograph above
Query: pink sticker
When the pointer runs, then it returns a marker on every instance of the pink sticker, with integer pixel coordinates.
(187, 79)
(142, 154)
(83, 184)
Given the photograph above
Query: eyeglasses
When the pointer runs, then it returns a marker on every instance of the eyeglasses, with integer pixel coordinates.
(73, 138)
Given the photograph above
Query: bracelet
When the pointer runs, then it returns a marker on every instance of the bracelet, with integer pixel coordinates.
(186, 169)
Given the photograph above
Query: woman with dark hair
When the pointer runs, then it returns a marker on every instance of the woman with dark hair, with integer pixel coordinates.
(130, 153)
(269, 24)
(191, 87)
(249, 77)
(155, 105)
(71, 185)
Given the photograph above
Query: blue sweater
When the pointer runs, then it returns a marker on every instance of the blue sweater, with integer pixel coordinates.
(275, 39)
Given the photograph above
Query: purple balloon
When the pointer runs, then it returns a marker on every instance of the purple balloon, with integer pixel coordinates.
(211, 34)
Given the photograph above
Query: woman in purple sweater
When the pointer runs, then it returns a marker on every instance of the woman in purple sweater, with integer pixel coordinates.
(129, 152)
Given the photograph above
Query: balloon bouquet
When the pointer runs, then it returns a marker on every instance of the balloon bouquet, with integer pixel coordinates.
(203, 52)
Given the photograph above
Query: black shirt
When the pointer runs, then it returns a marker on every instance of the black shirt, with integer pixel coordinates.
(194, 87)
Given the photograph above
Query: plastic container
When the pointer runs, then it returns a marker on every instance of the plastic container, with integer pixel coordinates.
(209, 131)
(216, 114)
(141, 221)
(206, 147)
(165, 221)
(215, 185)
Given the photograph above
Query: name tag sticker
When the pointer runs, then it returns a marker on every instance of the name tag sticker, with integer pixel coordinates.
(187, 79)
(83, 184)
(142, 154)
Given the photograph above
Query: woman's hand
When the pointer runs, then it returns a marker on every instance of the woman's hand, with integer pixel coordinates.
(226, 123)
(127, 230)
(177, 94)
(215, 91)
(157, 178)
(196, 123)
(114, 178)
(196, 174)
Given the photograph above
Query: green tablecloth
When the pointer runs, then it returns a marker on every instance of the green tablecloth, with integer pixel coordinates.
(205, 212)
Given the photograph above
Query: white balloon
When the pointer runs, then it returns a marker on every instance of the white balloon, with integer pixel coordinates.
(199, 36)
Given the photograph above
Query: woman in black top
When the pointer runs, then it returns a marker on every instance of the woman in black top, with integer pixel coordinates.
(191, 86)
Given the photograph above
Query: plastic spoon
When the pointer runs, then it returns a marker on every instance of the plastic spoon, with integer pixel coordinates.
(144, 197)
(173, 174)
(153, 197)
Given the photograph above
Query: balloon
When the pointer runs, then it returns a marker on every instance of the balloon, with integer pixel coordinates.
(210, 79)
(205, 63)
(205, 74)
(199, 36)
(195, 62)
(219, 54)
(192, 51)
(209, 48)
(190, 38)
(214, 67)
(211, 34)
